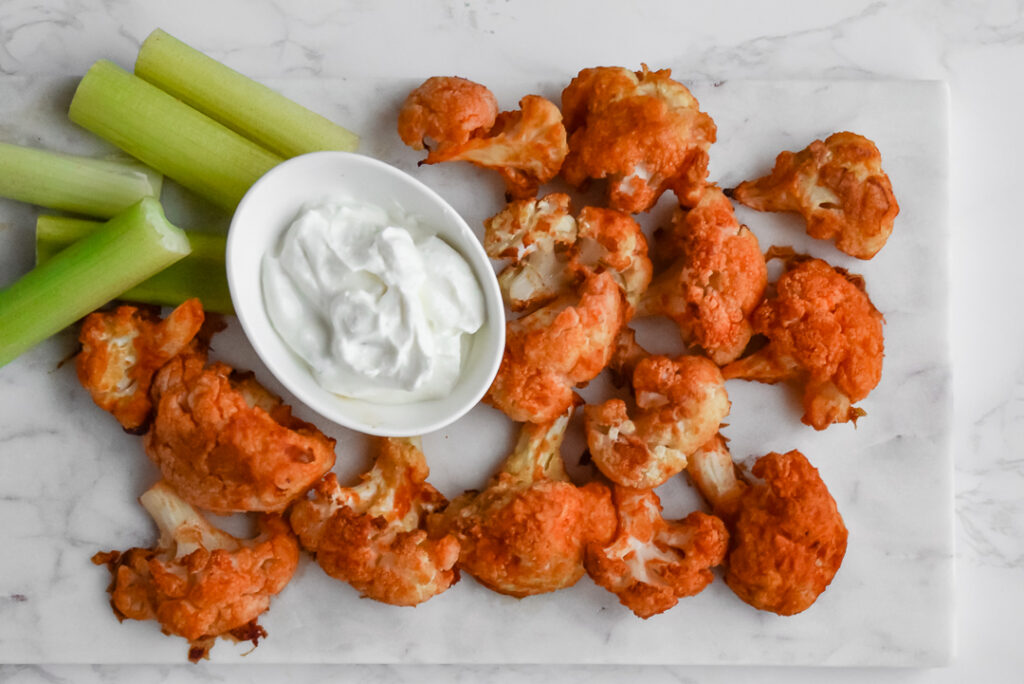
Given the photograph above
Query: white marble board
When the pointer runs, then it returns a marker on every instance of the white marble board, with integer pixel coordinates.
(69, 476)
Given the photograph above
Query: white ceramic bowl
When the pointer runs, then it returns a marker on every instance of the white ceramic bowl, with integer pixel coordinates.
(273, 203)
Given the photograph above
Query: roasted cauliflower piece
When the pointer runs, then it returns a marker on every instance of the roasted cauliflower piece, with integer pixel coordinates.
(652, 562)
(555, 348)
(839, 188)
(527, 531)
(680, 404)
(122, 350)
(787, 539)
(715, 278)
(526, 146)
(446, 111)
(823, 331)
(612, 241)
(642, 131)
(373, 535)
(199, 582)
(228, 445)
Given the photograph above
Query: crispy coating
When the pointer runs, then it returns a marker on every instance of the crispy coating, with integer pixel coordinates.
(124, 348)
(680, 404)
(199, 582)
(787, 538)
(839, 188)
(824, 331)
(373, 535)
(611, 240)
(446, 111)
(526, 146)
(555, 348)
(527, 531)
(716, 277)
(226, 444)
(652, 562)
(642, 131)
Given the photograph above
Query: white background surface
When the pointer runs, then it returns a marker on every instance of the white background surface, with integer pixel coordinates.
(975, 47)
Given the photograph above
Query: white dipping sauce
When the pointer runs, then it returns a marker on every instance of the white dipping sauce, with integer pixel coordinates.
(378, 306)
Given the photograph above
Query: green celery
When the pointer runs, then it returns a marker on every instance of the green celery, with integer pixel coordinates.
(83, 185)
(201, 274)
(129, 248)
(238, 102)
(168, 135)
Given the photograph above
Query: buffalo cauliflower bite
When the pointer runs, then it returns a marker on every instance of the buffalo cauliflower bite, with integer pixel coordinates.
(652, 562)
(445, 111)
(787, 539)
(122, 350)
(526, 146)
(373, 535)
(839, 188)
(200, 582)
(717, 276)
(527, 531)
(680, 404)
(642, 131)
(822, 330)
(555, 348)
(612, 241)
(226, 444)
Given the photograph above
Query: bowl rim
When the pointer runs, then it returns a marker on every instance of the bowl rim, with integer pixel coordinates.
(459, 234)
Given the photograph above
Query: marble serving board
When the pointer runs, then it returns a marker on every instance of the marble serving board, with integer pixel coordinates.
(69, 477)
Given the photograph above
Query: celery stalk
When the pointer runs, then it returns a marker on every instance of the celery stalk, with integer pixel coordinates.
(94, 187)
(241, 104)
(201, 274)
(168, 135)
(129, 248)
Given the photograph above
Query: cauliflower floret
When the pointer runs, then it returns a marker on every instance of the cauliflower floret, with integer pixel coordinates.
(716, 278)
(824, 331)
(652, 563)
(642, 131)
(527, 147)
(787, 539)
(373, 535)
(226, 444)
(200, 582)
(446, 111)
(124, 348)
(839, 188)
(555, 348)
(680, 405)
(610, 240)
(527, 531)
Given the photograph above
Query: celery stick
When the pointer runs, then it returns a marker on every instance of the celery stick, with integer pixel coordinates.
(94, 187)
(241, 104)
(200, 274)
(147, 123)
(129, 248)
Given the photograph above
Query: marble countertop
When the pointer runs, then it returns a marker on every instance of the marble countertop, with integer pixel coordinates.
(976, 48)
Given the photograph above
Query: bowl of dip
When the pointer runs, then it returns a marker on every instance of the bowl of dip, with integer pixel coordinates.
(365, 294)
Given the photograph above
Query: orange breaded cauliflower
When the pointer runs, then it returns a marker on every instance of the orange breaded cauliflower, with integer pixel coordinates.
(226, 444)
(716, 278)
(552, 252)
(527, 531)
(124, 348)
(652, 563)
(839, 188)
(199, 582)
(787, 539)
(445, 111)
(373, 535)
(555, 348)
(526, 146)
(680, 404)
(822, 330)
(642, 131)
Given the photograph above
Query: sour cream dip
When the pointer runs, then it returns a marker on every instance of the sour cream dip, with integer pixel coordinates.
(378, 306)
